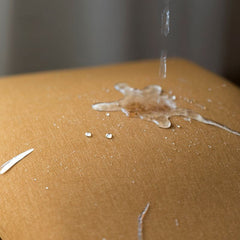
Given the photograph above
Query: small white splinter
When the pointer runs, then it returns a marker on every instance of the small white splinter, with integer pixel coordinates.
(140, 221)
(109, 135)
(9, 164)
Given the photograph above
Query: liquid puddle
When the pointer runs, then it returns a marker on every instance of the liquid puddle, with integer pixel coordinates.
(152, 104)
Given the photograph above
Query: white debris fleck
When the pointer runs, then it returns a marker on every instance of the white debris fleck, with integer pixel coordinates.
(166, 137)
(46, 188)
(209, 100)
(107, 114)
(174, 97)
(178, 126)
(109, 135)
(176, 222)
(88, 134)
(34, 179)
(209, 146)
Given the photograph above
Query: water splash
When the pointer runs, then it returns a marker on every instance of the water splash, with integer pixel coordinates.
(152, 104)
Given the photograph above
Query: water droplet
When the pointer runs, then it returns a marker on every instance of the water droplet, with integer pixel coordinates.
(88, 134)
(109, 135)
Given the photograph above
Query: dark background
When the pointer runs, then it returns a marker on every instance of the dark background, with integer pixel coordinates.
(42, 35)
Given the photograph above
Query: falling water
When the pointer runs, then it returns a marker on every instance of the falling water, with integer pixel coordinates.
(165, 29)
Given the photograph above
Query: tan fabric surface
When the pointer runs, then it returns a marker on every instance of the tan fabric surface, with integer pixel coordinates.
(97, 187)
